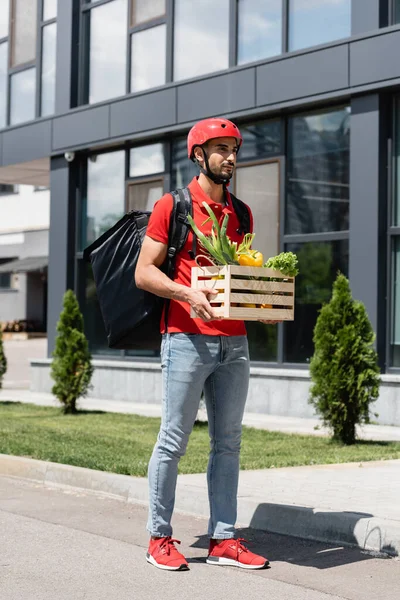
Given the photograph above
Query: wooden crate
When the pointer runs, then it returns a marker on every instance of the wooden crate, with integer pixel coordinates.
(238, 286)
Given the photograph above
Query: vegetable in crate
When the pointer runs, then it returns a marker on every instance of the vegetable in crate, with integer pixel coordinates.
(285, 262)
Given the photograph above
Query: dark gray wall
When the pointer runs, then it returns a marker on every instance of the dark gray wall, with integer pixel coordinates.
(360, 64)
(368, 207)
(61, 240)
(367, 15)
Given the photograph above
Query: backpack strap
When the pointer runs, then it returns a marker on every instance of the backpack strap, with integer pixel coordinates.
(242, 213)
(178, 233)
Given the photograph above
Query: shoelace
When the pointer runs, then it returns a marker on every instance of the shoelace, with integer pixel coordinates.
(168, 544)
(240, 547)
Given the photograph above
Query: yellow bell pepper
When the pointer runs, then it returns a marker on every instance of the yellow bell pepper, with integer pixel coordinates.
(254, 259)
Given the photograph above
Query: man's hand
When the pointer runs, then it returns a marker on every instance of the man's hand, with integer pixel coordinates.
(269, 322)
(198, 300)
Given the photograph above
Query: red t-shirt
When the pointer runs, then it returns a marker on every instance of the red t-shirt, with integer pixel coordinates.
(179, 319)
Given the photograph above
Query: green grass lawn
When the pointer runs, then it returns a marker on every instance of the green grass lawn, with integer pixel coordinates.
(123, 443)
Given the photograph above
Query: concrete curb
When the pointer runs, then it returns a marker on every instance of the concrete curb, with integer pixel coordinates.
(345, 528)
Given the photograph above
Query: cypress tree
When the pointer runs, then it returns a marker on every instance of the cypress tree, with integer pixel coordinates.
(3, 360)
(344, 369)
(71, 368)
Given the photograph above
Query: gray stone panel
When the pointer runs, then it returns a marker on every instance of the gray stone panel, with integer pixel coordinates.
(142, 113)
(303, 75)
(365, 16)
(27, 143)
(364, 205)
(375, 59)
(216, 96)
(81, 127)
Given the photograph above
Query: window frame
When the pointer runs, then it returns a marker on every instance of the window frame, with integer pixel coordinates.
(36, 63)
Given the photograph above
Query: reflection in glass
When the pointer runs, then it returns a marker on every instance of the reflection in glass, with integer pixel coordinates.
(146, 160)
(317, 185)
(49, 9)
(313, 22)
(105, 202)
(89, 305)
(48, 69)
(259, 29)
(395, 320)
(4, 17)
(260, 140)
(3, 84)
(144, 10)
(201, 37)
(23, 47)
(258, 186)
(143, 196)
(396, 196)
(108, 35)
(319, 263)
(183, 169)
(23, 91)
(148, 58)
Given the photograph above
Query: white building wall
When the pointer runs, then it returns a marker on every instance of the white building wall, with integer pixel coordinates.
(26, 210)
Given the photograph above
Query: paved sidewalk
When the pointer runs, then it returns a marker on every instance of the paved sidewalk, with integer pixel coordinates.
(355, 504)
(258, 420)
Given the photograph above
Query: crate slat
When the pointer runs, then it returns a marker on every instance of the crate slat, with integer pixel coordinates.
(259, 299)
(236, 290)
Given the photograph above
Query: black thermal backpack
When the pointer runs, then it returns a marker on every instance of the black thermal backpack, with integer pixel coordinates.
(132, 316)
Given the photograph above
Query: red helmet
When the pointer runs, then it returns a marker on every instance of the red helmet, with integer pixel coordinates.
(209, 129)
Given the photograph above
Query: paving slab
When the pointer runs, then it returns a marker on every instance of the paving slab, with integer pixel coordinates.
(68, 543)
(347, 504)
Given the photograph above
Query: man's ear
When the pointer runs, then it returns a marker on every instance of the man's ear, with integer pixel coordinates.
(198, 154)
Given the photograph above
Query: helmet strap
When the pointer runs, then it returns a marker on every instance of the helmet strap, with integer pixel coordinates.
(218, 179)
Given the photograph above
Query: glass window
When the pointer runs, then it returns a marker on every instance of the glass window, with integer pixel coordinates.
(89, 304)
(259, 29)
(258, 186)
(319, 263)
(3, 84)
(4, 17)
(260, 140)
(48, 69)
(318, 172)
(23, 91)
(395, 334)
(107, 62)
(49, 9)
(143, 196)
(201, 37)
(397, 11)
(396, 198)
(183, 169)
(313, 22)
(143, 10)
(148, 64)
(105, 202)
(24, 26)
(5, 281)
(146, 160)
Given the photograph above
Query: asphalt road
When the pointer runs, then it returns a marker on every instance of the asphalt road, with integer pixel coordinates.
(68, 544)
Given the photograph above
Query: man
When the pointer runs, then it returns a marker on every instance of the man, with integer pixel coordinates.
(202, 353)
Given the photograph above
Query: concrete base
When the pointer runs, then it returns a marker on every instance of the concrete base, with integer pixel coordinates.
(281, 392)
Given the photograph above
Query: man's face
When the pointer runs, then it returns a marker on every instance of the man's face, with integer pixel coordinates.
(222, 153)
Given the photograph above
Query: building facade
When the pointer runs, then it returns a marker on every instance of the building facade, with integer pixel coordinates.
(99, 95)
(24, 241)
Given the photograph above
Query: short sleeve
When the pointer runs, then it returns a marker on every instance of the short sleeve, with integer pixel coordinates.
(158, 226)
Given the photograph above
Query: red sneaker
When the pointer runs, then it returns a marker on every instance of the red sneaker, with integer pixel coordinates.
(232, 553)
(163, 554)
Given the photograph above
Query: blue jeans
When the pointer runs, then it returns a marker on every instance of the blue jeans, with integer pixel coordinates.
(220, 366)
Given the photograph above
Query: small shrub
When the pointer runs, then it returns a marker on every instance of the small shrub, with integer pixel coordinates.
(3, 360)
(344, 369)
(71, 368)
